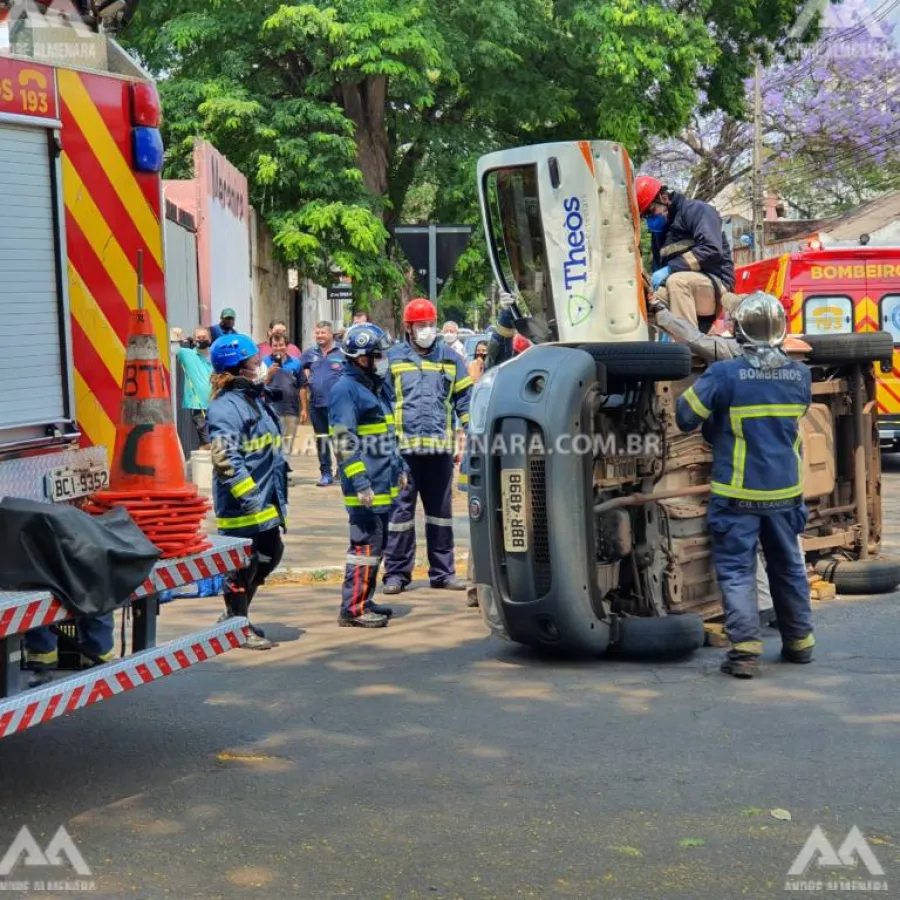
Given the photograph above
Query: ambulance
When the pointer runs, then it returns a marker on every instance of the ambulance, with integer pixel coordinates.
(840, 289)
(82, 247)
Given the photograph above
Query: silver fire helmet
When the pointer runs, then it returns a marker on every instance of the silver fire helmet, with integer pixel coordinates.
(760, 321)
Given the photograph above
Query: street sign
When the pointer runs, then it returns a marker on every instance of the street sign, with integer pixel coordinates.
(433, 251)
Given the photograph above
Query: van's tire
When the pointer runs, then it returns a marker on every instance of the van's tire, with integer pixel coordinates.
(658, 637)
(642, 359)
(865, 576)
(845, 349)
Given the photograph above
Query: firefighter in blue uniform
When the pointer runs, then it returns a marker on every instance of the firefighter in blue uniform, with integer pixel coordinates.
(371, 469)
(750, 409)
(430, 383)
(250, 490)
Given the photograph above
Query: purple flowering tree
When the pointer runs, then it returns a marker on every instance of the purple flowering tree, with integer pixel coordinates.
(831, 123)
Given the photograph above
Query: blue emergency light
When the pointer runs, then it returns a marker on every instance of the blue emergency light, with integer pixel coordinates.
(148, 149)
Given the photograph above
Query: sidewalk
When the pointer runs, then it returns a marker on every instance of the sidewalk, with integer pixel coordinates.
(316, 540)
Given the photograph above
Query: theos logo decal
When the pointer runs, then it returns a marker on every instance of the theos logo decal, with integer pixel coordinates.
(575, 268)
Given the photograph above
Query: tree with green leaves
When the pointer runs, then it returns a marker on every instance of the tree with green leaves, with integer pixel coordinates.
(349, 116)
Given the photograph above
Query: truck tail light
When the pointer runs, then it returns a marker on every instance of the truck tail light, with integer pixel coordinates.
(145, 105)
(148, 149)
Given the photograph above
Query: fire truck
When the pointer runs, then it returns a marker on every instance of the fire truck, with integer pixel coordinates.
(840, 289)
(81, 219)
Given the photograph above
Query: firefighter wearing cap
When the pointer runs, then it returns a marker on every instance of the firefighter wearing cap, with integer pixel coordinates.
(693, 270)
(371, 469)
(750, 409)
(430, 384)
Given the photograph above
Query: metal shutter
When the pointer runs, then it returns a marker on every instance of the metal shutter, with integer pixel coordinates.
(31, 355)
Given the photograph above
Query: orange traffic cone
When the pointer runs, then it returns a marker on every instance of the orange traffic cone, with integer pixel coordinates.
(147, 472)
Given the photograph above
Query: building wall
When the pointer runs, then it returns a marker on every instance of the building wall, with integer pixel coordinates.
(315, 307)
(272, 294)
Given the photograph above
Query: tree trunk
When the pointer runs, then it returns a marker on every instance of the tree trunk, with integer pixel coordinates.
(365, 103)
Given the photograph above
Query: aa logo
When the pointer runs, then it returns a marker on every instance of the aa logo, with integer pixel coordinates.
(853, 851)
(60, 846)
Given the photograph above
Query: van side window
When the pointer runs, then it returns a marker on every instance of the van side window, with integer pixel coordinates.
(824, 314)
(890, 315)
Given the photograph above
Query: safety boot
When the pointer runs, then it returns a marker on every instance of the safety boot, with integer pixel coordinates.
(393, 586)
(739, 664)
(380, 610)
(798, 651)
(366, 620)
(451, 584)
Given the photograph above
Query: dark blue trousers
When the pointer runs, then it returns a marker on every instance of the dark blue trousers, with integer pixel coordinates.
(96, 633)
(735, 535)
(368, 534)
(318, 418)
(431, 477)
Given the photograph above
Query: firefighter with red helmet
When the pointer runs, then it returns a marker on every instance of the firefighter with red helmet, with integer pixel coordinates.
(430, 383)
(693, 268)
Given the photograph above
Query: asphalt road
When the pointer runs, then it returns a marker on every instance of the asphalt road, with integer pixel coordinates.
(428, 761)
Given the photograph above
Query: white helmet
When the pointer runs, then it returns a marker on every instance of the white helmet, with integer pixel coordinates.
(760, 321)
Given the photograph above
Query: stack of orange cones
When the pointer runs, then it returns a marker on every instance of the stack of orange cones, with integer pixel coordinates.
(147, 472)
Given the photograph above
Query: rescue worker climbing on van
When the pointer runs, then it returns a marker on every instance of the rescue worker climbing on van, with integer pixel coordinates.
(750, 409)
(430, 383)
(693, 269)
(251, 474)
(371, 470)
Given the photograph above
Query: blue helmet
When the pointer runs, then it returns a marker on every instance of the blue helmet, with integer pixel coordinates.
(365, 339)
(230, 351)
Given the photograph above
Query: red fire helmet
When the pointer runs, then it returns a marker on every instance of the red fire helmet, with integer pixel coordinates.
(647, 189)
(419, 310)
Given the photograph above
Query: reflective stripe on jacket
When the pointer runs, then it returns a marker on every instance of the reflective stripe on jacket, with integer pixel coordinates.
(427, 389)
(250, 490)
(751, 417)
(694, 241)
(362, 429)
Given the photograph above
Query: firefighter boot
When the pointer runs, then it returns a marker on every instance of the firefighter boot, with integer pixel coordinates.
(380, 610)
(798, 651)
(239, 606)
(229, 613)
(739, 664)
(368, 619)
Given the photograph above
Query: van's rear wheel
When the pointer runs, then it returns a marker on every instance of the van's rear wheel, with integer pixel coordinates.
(848, 349)
(642, 359)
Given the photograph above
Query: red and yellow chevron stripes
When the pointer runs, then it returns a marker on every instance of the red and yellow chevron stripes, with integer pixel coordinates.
(795, 317)
(111, 213)
(865, 314)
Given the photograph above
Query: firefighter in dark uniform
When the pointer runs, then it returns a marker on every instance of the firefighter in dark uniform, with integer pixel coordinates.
(430, 383)
(250, 490)
(693, 268)
(371, 469)
(750, 409)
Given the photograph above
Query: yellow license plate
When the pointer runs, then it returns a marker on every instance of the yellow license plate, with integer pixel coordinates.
(515, 516)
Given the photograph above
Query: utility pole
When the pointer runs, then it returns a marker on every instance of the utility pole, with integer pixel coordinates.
(759, 193)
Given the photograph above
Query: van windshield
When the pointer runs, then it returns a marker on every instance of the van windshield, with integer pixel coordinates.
(516, 239)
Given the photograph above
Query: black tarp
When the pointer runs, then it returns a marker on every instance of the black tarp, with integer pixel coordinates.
(91, 564)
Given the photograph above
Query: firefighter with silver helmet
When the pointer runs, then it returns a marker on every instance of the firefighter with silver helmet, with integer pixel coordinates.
(371, 469)
(750, 409)
(430, 384)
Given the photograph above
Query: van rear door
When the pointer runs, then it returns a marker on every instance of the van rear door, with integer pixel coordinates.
(883, 289)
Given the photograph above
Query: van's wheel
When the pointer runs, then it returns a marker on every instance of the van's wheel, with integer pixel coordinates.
(642, 359)
(865, 576)
(658, 637)
(845, 349)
